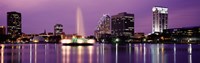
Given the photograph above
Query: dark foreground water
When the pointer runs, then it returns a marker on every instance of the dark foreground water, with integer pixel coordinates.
(100, 53)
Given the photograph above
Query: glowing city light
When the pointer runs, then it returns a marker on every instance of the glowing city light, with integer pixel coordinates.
(117, 39)
(35, 40)
(80, 41)
(91, 41)
(66, 41)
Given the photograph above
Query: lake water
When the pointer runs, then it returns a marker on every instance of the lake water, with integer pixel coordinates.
(100, 53)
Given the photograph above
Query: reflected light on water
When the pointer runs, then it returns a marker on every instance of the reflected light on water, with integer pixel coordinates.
(90, 48)
(116, 53)
(158, 53)
(77, 54)
(174, 53)
(2, 53)
(144, 47)
(136, 52)
(130, 47)
(30, 53)
(35, 53)
(100, 53)
(80, 52)
(190, 53)
(66, 54)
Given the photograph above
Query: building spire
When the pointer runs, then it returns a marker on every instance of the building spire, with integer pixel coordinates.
(45, 31)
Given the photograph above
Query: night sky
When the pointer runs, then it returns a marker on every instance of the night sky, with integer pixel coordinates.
(38, 15)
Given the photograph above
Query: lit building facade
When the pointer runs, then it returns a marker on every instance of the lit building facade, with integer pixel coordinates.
(185, 34)
(103, 27)
(14, 26)
(123, 25)
(2, 30)
(160, 19)
(58, 29)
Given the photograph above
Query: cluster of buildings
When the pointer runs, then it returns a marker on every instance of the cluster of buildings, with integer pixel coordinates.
(110, 29)
(120, 28)
(14, 31)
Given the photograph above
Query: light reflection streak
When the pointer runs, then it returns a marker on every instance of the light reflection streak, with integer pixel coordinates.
(136, 52)
(80, 52)
(116, 58)
(63, 54)
(190, 53)
(45, 54)
(162, 53)
(2, 53)
(66, 54)
(155, 53)
(35, 53)
(158, 53)
(19, 53)
(174, 53)
(90, 48)
(12, 53)
(97, 53)
(144, 55)
(31, 53)
(130, 60)
(102, 53)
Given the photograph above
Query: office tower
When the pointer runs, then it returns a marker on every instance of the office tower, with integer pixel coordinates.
(58, 29)
(2, 30)
(160, 19)
(103, 27)
(14, 26)
(123, 25)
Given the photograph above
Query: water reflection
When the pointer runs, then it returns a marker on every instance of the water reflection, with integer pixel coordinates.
(174, 53)
(2, 53)
(100, 53)
(77, 54)
(190, 53)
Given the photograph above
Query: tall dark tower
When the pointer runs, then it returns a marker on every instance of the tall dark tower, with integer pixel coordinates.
(123, 25)
(14, 26)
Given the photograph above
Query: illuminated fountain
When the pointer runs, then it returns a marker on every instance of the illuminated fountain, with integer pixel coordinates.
(79, 22)
(79, 38)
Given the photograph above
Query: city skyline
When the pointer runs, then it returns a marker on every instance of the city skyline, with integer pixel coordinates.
(41, 12)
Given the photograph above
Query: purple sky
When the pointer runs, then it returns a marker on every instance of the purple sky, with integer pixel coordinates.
(38, 15)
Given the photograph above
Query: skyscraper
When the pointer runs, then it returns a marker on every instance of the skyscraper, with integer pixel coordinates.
(14, 26)
(160, 19)
(2, 30)
(104, 27)
(123, 25)
(58, 29)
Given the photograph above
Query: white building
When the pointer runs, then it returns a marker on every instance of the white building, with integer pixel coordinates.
(160, 19)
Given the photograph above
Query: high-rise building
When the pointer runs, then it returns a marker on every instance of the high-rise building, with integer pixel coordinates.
(14, 26)
(58, 29)
(2, 30)
(123, 25)
(104, 26)
(160, 19)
